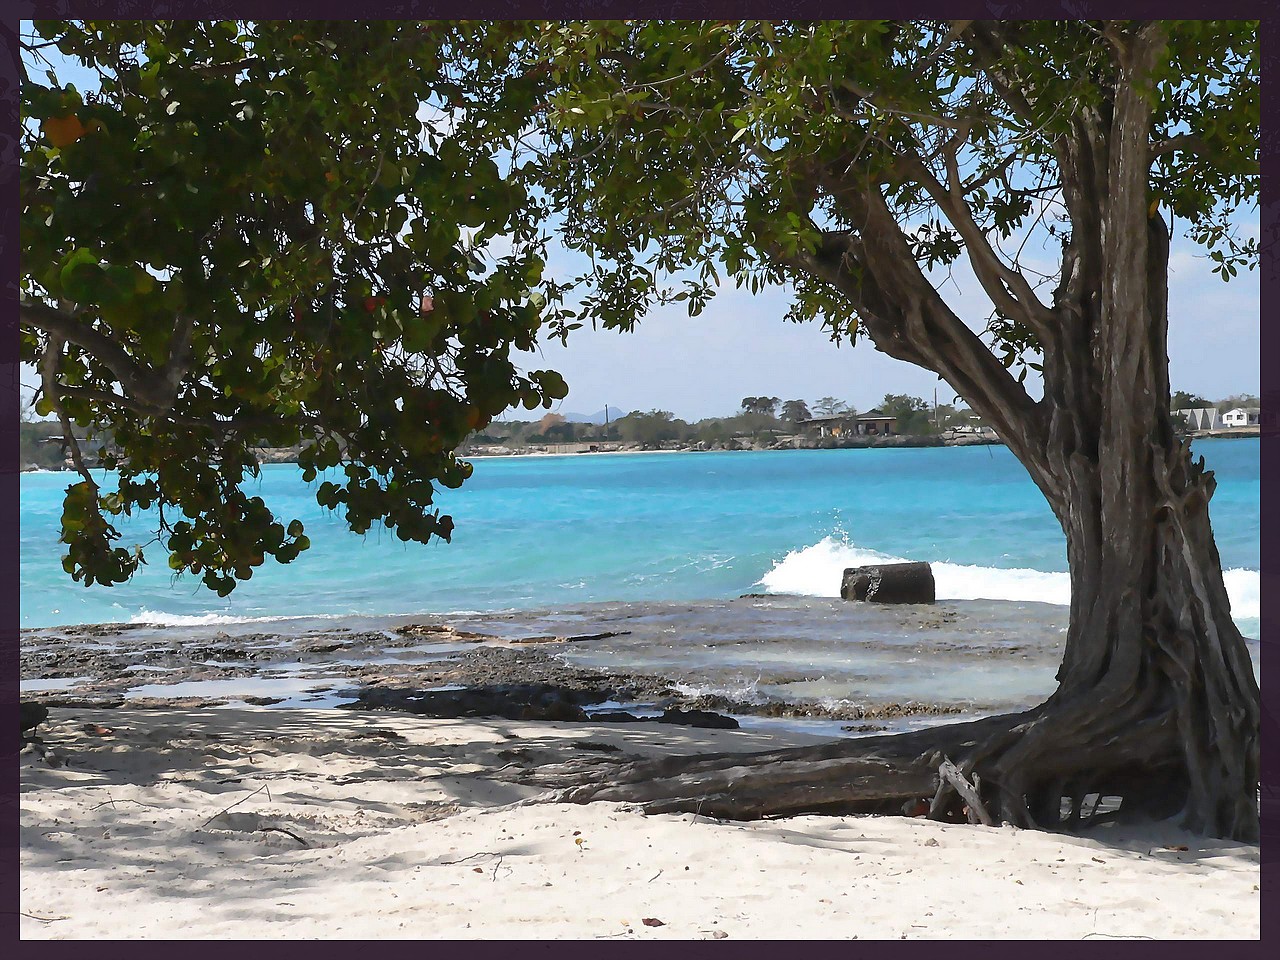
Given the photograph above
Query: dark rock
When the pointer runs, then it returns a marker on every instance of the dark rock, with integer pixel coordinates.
(32, 714)
(616, 716)
(517, 701)
(599, 746)
(698, 718)
(217, 653)
(889, 583)
(685, 718)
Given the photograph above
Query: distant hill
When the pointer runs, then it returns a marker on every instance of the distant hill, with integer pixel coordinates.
(597, 417)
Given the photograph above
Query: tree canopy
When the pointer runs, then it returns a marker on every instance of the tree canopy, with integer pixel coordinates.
(735, 145)
(795, 411)
(1182, 400)
(272, 233)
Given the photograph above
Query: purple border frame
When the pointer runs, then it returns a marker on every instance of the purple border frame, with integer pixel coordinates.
(9, 370)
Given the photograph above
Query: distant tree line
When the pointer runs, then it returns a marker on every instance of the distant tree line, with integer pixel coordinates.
(1182, 400)
(759, 420)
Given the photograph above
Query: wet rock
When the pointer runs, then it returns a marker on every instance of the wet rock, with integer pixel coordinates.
(528, 701)
(616, 716)
(216, 652)
(674, 715)
(442, 633)
(698, 718)
(571, 638)
(802, 709)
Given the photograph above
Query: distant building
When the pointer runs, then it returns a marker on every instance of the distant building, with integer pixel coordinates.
(1242, 417)
(1201, 418)
(872, 423)
(974, 428)
(836, 425)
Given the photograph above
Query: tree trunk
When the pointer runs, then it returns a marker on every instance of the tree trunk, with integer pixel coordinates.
(1157, 704)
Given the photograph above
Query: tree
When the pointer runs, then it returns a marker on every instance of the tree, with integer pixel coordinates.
(248, 235)
(1238, 400)
(851, 159)
(1181, 400)
(650, 429)
(795, 411)
(913, 414)
(830, 406)
(949, 416)
(766, 406)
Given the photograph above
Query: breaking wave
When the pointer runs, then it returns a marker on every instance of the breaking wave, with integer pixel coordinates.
(156, 618)
(816, 571)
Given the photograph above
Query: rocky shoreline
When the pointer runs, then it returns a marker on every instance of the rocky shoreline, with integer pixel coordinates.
(290, 454)
(596, 664)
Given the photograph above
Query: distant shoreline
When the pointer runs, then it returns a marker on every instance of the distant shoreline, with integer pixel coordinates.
(269, 455)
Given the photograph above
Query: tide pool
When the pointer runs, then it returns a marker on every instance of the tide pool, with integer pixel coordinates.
(540, 531)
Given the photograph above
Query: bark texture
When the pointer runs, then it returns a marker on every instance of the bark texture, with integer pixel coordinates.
(1157, 703)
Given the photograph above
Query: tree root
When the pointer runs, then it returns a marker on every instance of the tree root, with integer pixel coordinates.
(1031, 769)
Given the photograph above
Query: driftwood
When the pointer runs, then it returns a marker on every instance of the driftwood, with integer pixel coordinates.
(889, 583)
(952, 781)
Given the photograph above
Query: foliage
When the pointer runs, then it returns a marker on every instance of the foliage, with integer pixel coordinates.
(760, 148)
(762, 405)
(1238, 400)
(1181, 400)
(914, 417)
(650, 429)
(270, 232)
(795, 411)
(830, 406)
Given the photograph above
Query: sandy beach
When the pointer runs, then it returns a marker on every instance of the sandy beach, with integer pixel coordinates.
(248, 822)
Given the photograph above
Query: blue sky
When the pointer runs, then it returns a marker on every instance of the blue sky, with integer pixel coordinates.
(740, 346)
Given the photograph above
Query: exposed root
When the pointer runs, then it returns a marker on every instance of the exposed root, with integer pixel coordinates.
(1033, 769)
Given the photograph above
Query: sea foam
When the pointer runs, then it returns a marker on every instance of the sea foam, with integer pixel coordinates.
(816, 571)
(161, 619)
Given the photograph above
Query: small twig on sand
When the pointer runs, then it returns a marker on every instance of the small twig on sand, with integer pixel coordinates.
(41, 919)
(287, 833)
(112, 801)
(1117, 936)
(233, 806)
(494, 877)
(448, 863)
(654, 877)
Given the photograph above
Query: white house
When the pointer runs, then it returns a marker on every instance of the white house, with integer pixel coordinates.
(1241, 417)
(1201, 418)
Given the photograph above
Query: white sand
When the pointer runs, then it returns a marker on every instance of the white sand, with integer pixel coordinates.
(118, 843)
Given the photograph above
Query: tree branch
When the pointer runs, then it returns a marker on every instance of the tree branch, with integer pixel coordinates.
(1009, 290)
(1185, 142)
(989, 42)
(49, 364)
(915, 324)
(154, 388)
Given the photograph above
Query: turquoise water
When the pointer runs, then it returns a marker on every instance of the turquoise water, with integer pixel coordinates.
(538, 531)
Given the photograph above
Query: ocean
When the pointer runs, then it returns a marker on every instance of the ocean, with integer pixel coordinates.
(541, 531)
